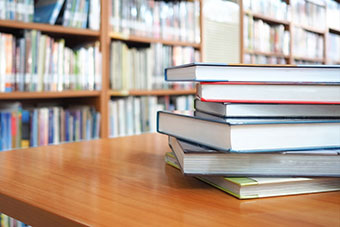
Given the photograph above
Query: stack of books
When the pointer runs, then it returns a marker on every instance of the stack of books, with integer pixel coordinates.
(258, 131)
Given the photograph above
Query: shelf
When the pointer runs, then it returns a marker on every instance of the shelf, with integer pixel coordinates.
(335, 31)
(269, 54)
(140, 39)
(48, 28)
(309, 59)
(152, 92)
(267, 19)
(311, 29)
(48, 95)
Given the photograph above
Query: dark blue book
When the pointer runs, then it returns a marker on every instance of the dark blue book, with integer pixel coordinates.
(47, 11)
(246, 135)
(25, 125)
(50, 126)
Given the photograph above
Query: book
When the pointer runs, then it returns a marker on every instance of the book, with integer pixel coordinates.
(260, 187)
(254, 92)
(249, 134)
(268, 110)
(256, 73)
(195, 159)
(47, 11)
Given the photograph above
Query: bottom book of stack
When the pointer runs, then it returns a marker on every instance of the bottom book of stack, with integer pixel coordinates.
(259, 187)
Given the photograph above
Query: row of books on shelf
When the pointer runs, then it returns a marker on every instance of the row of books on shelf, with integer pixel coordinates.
(22, 10)
(307, 44)
(261, 36)
(171, 20)
(309, 13)
(37, 62)
(71, 13)
(261, 59)
(333, 48)
(277, 9)
(25, 126)
(142, 68)
(277, 122)
(6, 221)
(333, 14)
(135, 115)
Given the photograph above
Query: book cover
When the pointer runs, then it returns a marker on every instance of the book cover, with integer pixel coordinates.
(259, 92)
(257, 187)
(214, 72)
(250, 134)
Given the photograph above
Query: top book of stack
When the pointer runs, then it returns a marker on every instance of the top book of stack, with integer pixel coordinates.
(254, 73)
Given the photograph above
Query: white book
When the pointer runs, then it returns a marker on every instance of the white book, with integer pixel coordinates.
(267, 110)
(249, 134)
(242, 92)
(195, 159)
(260, 73)
(259, 187)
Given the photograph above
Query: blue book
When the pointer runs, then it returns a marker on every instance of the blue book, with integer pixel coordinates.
(1, 132)
(67, 131)
(253, 73)
(34, 128)
(47, 11)
(50, 126)
(246, 135)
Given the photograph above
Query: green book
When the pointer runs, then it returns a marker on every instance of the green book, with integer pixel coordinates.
(259, 187)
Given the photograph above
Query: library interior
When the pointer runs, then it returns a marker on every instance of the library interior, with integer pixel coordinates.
(161, 112)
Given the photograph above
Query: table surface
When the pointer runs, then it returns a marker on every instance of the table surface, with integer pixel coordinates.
(125, 181)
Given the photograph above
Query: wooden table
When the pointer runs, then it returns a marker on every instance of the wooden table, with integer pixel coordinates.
(126, 182)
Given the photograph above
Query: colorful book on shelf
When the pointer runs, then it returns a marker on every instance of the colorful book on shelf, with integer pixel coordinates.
(259, 187)
(259, 92)
(250, 134)
(47, 11)
(195, 159)
(215, 72)
(268, 110)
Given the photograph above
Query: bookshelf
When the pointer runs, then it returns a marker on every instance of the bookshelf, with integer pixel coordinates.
(74, 36)
(297, 24)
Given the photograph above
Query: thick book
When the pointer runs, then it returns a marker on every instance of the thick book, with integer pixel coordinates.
(253, 92)
(259, 73)
(270, 110)
(250, 134)
(195, 159)
(259, 187)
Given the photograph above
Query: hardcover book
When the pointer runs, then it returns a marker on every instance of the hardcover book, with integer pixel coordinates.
(259, 187)
(250, 92)
(268, 110)
(256, 73)
(250, 134)
(195, 159)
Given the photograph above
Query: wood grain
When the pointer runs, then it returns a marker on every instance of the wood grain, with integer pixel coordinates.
(47, 94)
(49, 28)
(125, 181)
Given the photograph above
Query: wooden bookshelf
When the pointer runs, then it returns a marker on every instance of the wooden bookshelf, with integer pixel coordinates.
(58, 29)
(311, 29)
(335, 31)
(152, 92)
(268, 54)
(267, 19)
(289, 25)
(139, 39)
(104, 35)
(48, 95)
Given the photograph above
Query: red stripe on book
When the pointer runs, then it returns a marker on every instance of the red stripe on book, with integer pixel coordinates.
(267, 101)
(269, 83)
